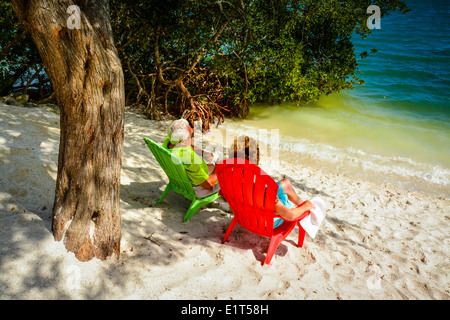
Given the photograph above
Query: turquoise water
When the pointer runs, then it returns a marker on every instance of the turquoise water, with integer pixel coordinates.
(393, 129)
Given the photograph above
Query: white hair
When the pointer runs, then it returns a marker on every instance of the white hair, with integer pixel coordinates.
(178, 131)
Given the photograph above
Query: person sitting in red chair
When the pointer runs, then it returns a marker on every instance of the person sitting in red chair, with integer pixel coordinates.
(288, 204)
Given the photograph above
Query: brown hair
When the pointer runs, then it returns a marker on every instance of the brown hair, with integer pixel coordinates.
(247, 148)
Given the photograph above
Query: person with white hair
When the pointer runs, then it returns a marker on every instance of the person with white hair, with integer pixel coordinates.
(203, 176)
(178, 131)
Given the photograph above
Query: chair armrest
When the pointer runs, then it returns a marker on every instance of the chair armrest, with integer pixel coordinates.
(304, 214)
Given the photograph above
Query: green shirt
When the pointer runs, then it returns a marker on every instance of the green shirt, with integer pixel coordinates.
(196, 168)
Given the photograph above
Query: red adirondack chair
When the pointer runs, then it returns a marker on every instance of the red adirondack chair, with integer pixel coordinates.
(251, 194)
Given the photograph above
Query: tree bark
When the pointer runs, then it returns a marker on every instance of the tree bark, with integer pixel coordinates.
(86, 74)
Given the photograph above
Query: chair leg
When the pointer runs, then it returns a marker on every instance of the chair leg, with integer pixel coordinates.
(230, 228)
(274, 243)
(166, 191)
(301, 235)
(195, 205)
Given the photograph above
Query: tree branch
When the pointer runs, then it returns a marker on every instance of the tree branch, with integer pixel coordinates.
(6, 49)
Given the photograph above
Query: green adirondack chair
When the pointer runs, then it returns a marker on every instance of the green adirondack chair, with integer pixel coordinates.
(178, 179)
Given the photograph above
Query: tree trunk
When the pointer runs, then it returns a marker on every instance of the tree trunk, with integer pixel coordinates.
(86, 75)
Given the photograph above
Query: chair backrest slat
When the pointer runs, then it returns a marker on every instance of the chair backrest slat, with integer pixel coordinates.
(173, 167)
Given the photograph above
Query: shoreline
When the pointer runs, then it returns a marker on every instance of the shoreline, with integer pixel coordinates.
(353, 155)
(377, 241)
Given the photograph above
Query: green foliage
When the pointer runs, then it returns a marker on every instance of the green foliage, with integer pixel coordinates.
(301, 50)
(207, 58)
(18, 63)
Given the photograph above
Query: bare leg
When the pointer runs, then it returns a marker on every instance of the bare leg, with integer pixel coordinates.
(289, 190)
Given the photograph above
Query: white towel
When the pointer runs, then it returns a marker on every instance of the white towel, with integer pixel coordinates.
(313, 221)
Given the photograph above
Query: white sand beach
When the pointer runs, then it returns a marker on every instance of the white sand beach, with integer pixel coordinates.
(377, 241)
